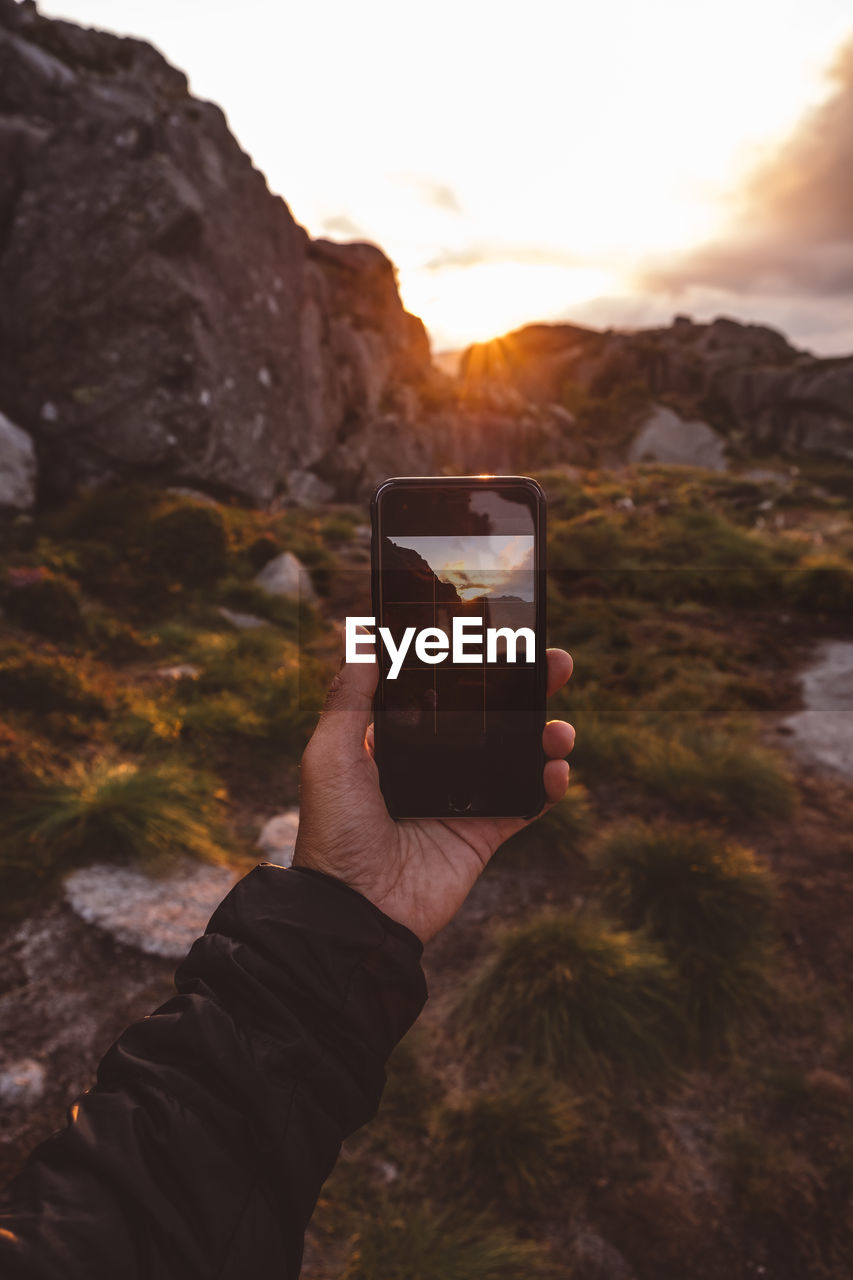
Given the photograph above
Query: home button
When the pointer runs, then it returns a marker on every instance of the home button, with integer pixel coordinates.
(459, 803)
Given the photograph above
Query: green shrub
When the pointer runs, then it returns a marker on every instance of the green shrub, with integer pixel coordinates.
(188, 545)
(47, 603)
(115, 809)
(338, 528)
(45, 683)
(110, 514)
(221, 715)
(707, 902)
(823, 584)
(574, 996)
(263, 549)
(510, 1149)
(607, 745)
(716, 775)
(23, 761)
(406, 1242)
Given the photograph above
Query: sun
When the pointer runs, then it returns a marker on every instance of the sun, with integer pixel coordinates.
(474, 303)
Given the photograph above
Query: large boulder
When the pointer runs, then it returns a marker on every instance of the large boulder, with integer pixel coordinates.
(666, 437)
(161, 312)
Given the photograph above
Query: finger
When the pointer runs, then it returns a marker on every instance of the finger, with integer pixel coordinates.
(349, 707)
(558, 738)
(556, 780)
(559, 669)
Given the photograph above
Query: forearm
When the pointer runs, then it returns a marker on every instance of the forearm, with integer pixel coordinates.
(214, 1123)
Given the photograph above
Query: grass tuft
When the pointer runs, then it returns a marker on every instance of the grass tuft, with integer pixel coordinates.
(510, 1148)
(570, 994)
(422, 1243)
(718, 776)
(709, 904)
(115, 809)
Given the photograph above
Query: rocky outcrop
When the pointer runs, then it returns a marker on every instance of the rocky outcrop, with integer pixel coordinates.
(746, 381)
(161, 312)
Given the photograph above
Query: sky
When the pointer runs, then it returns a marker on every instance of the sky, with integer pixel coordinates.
(608, 162)
(478, 564)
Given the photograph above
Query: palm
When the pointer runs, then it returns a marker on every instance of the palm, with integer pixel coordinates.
(418, 871)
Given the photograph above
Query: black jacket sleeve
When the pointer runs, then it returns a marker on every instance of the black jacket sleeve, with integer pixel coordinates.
(202, 1148)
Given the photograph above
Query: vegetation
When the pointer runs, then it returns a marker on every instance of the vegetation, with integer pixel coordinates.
(407, 1241)
(570, 994)
(116, 809)
(682, 908)
(709, 904)
(510, 1148)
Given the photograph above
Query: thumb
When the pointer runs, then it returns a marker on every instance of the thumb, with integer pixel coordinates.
(349, 708)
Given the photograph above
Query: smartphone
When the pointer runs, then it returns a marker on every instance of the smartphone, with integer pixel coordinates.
(458, 585)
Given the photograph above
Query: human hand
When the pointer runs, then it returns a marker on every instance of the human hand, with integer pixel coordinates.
(418, 871)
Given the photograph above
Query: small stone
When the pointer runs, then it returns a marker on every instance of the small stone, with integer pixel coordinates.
(278, 837)
(243, 621)
(49, 411)
(264, 377)
(180, 671)
(284, 575)
(17, 467)
(21, 1083)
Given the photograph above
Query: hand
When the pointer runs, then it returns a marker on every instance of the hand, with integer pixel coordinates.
(418, 871)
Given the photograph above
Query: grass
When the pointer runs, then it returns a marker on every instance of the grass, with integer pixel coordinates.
(112, 809)
(563, 831)
(511, 1148)
(774, 1186)
(706, 901)
(715, 775)
(823, 584)
(51, 682)
(406, 1242)
(572, 995)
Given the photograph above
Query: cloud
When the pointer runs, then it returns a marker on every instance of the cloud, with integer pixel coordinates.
(792, 230)
(430, 191)
(475, 255)
(340, 224)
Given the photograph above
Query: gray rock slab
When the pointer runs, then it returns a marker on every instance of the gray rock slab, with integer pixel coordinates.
(160, 915)
(668, 438)
(822, 732)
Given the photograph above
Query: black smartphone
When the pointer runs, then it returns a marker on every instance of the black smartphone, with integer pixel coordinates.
(458, 583)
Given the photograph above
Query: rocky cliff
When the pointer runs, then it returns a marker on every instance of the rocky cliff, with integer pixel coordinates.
(161, 312)
(747, 381)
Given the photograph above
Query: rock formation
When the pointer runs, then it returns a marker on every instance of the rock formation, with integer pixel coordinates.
(161, 312)
(746, 381)
(164, 318)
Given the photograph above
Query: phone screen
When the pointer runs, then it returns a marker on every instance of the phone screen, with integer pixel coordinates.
(458, 572)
